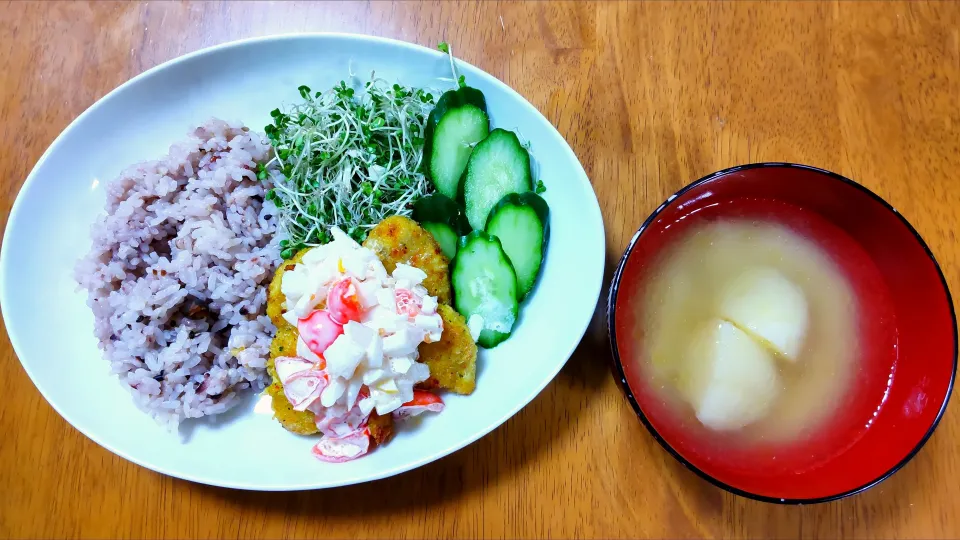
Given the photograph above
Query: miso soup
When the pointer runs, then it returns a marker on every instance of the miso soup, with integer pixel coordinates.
(752, 333)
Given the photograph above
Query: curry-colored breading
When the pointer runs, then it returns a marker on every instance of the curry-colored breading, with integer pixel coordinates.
(399, 239)
(284, 344)
(381, 428)
(299, 422)
(302, 422)
(453, 359)
(275, 298)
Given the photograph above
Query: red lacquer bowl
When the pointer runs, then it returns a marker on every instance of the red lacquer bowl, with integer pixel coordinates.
(908, 358)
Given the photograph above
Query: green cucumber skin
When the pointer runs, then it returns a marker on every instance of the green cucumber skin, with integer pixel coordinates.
(477, 155)
(531, 199)
(525, 281)
(451, 99)
(465, 95)
(444, 235)
(438, 208)
(489, 338)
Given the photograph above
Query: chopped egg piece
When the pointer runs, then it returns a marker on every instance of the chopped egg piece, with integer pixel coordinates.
(380, 350)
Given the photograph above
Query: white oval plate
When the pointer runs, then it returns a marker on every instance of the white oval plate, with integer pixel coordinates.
(51, 327)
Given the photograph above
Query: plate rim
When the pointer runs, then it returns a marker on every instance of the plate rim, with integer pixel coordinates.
(592, 207)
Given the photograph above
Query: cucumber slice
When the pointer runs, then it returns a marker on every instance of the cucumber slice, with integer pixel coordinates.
(519, 221)
(444, 236)
(455, 125)
(499, 165)
(438, 208)
(485, 284)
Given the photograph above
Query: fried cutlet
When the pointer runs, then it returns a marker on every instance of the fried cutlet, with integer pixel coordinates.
(303, 422)
(381, 428)
(453, 359)
(284, 344)
(299, 422)
(399, 239)
(275, 298)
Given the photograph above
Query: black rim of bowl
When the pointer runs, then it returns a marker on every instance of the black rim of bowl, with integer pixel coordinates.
(621, 377)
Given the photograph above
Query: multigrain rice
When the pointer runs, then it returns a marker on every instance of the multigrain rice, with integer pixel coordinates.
(178, 271)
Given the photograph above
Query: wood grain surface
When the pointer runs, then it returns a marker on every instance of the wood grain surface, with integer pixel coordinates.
(651, 96)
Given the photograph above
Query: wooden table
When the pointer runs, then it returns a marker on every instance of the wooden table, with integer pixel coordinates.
(650, 96)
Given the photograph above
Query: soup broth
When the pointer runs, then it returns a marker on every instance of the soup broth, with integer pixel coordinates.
(687, 293)
(804, 356)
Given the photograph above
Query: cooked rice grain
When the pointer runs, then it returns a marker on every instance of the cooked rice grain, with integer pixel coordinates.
(178, 272)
